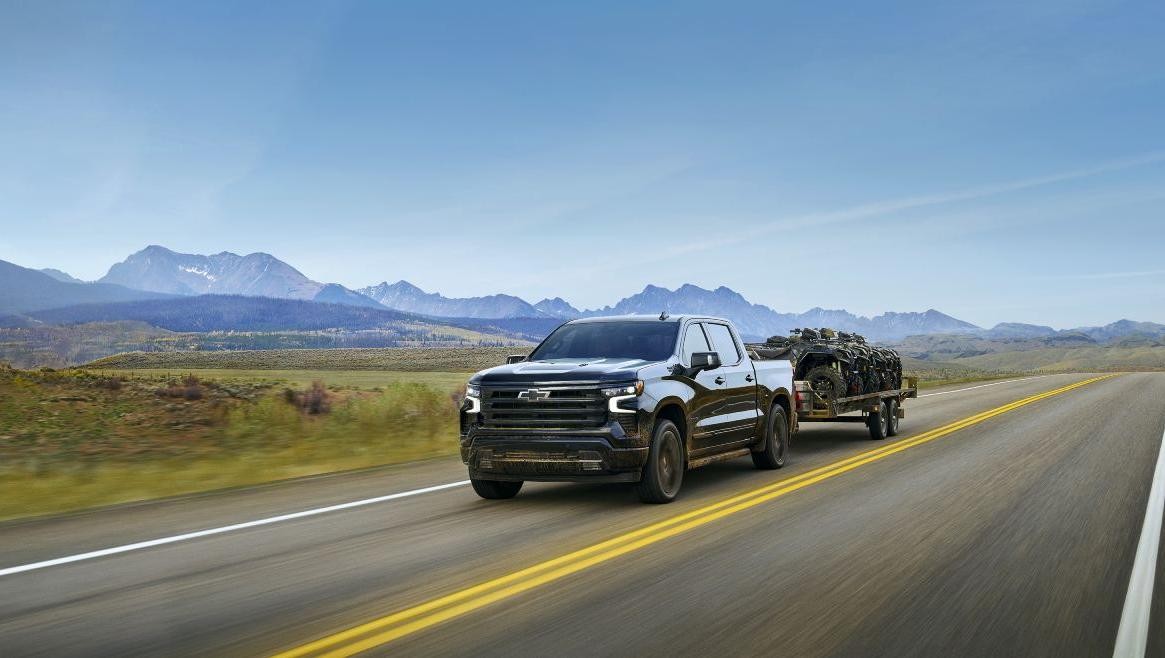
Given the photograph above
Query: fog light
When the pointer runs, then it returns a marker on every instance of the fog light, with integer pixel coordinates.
(485, 459)
(590, 460)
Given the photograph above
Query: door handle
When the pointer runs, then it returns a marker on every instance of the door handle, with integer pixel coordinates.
(748, 378)
(719, 380)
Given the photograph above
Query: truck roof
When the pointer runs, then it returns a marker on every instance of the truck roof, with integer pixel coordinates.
(647, 318)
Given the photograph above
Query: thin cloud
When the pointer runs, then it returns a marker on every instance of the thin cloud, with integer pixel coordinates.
(877, 209)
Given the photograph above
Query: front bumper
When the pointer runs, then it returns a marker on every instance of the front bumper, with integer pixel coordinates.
(602, 455)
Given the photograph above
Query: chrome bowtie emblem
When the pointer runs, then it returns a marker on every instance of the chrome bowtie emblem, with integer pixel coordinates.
(533, 394)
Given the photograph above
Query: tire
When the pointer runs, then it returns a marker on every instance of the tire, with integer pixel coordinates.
(664, 471)
(776, 441)
(826, 382)
(877, 422)
(495, 489)
(892, 417)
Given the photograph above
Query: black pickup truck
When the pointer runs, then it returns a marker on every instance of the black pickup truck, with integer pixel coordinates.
(626, 399)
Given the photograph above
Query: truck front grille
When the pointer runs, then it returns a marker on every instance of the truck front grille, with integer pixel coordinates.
(547, 408)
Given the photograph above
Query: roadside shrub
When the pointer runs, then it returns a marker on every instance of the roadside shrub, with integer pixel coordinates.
(189, 389)
(315, 399)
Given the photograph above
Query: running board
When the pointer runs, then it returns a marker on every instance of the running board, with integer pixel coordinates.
(724, 456)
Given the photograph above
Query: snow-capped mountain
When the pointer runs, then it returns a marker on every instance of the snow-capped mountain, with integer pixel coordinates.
(158, 269)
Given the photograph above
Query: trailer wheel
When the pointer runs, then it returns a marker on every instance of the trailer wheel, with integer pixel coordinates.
(776, 441)
(664, 471)
(892, 417)
(877, 422)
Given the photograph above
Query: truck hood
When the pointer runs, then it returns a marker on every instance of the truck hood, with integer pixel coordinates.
(564, 371)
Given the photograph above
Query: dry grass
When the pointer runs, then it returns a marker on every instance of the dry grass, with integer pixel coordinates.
(78, 439)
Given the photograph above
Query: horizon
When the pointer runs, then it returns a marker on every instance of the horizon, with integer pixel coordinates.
(999, 164)
(644, 289)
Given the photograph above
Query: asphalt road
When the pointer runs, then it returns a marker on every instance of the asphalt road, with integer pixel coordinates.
(1015, 535)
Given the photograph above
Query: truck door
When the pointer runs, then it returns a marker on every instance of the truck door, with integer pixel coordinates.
(707, 397)
(737, 417)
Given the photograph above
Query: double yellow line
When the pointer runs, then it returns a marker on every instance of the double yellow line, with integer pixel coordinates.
(411, 620)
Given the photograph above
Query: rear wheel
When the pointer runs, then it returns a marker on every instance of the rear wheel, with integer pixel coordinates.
(892, 417)
(776, 441)
(878, 422)
(495, 489)
(664, 471)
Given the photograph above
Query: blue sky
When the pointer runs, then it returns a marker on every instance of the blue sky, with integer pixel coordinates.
(997, 161)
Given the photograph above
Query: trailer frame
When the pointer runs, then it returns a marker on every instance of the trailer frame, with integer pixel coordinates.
(812, 408)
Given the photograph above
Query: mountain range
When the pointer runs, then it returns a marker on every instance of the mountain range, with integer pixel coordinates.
(158, 273)
(404, 296)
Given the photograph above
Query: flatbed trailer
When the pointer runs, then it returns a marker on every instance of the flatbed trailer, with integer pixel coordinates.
(880, 411)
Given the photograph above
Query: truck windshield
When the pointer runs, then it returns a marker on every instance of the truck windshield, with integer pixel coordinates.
(649, 341)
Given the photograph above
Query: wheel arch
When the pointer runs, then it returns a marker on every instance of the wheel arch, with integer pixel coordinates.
(784, 399)
(673, 409)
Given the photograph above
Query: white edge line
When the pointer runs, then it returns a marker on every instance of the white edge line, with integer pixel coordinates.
(227, 528)
(1132, 637)
(970, 388)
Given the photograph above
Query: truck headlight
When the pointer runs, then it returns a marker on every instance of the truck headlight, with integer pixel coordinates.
(623, 391)
(616, 394)
(473, 398)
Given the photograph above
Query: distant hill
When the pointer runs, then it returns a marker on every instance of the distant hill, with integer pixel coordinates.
(159, 269)
(334, 293)
(227, 313)
(404, 296)
(60, 276)
(23, 290)
(1018, 330)
(1077, 359)
(205, 313)
(1122, 345)
(1122, 329)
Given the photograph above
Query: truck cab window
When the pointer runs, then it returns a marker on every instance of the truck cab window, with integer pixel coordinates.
(723, 343)
(694, 341)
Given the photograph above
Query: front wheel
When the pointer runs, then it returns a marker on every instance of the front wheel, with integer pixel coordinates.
(776, 441)
(892, 417)
(664, 471)
(495, 489)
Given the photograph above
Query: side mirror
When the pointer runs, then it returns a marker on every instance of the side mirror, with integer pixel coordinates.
(515, 358)
(705, 361)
